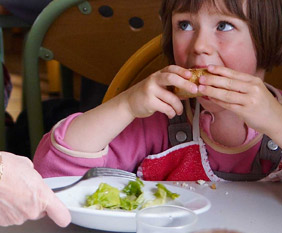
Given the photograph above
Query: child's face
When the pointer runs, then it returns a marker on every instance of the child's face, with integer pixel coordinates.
(210, 37)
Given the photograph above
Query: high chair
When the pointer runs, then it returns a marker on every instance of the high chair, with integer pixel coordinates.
(145, 61)
(92, 38)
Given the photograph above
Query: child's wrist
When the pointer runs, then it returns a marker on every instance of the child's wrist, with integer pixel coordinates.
(274, 131)
(125, 105)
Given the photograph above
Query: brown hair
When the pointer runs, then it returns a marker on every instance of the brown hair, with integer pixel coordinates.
(264, 18)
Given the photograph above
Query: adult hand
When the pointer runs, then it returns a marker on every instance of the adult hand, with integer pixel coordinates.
(24, 195)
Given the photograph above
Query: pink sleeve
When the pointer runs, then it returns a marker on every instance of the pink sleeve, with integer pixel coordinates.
(50, 161)
(142, 137)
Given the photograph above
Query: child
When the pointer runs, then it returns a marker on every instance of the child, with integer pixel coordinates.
(237, 41)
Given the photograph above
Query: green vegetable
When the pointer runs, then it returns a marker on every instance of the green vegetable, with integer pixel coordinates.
(134, 195)
(169, 194)
(107, 196)
(134, 188)
(161, 195)
(131, 202)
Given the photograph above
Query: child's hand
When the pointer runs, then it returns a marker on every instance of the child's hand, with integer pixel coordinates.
(152, 94)
(245, 95)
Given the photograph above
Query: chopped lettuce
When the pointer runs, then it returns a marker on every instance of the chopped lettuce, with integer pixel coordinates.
(107, 196)
(162, 188)
(161, 196)
(134, 195)
(131, 202)
(134, 188)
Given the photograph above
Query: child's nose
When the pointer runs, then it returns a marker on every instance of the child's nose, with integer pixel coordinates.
(202, 43)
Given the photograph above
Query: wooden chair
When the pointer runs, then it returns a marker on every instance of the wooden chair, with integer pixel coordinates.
(92, 38)
(148, 59)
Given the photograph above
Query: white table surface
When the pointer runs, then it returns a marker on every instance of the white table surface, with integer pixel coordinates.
(249, 207)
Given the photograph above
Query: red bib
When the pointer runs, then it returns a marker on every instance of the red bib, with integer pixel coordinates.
(175, 164)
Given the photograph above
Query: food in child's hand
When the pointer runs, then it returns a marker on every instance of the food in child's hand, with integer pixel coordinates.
(196, 74)
(107, 196)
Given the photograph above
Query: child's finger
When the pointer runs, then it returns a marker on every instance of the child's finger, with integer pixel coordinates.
(225, 83)
(223, 95)
(172, 79)
(170, 99)
(182, 72)
(164, 108)
(236, 108)
(226, 72)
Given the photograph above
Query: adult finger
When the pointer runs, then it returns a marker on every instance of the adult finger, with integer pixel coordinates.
(58, 212)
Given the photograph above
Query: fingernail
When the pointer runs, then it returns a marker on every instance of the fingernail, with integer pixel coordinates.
(187, 73)
(211, 67)
(194, 89)
(202, 79)
(201, 88)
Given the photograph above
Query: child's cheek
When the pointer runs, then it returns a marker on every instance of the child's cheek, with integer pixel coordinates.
(179, 56)
(240, 57)
(180, 50)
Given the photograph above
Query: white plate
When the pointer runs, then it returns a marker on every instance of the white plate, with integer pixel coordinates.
(115, 220)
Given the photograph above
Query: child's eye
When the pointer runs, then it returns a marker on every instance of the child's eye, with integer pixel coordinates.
(185, 26)
(225, 27)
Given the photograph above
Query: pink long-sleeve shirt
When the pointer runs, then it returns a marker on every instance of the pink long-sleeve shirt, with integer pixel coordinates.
(139, 139)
